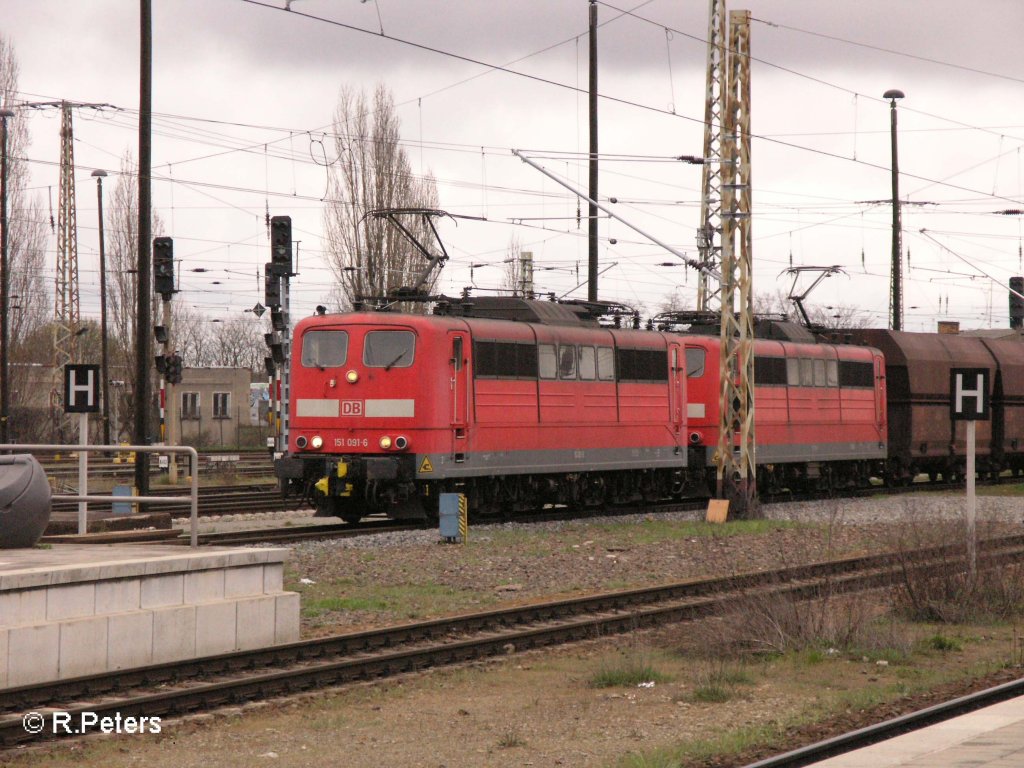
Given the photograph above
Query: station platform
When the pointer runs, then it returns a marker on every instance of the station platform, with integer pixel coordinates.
(992, 737)
(68, 610)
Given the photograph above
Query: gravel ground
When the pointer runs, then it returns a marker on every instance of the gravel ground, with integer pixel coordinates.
(537, 708)
(408, 575)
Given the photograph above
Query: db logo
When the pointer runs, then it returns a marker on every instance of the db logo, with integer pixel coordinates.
(351, 407)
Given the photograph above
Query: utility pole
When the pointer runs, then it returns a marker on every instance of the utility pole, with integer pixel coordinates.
(592, 208)
(66, 314)
(526, 274)
(5, 285)
(144, 291)
(896, 277)
(709, 235)
(735, 465)
(99, 174)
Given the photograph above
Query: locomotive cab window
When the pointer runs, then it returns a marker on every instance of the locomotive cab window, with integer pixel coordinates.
(389, 349)
(324, 349)
(695, 361)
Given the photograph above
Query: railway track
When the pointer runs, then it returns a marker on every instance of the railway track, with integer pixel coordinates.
(230, 500)
(213, 500)
(896, 726)
(169, 690)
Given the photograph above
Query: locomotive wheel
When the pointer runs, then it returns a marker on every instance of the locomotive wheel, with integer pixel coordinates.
(344, 508)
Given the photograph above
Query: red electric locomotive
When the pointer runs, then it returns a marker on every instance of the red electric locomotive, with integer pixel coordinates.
(820, 413)
(517, 404)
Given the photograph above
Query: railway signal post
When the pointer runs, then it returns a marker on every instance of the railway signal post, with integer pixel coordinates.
(969, 401)
(82, 396)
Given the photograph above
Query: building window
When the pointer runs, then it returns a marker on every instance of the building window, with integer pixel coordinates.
(220, 405)
(190, 405)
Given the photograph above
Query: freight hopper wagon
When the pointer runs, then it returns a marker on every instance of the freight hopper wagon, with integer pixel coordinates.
(515, 403)
(923, 438)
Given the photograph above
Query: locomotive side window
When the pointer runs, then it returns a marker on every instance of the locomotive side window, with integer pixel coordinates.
(856, 374)
(770, 371)
(547, 366)
(806, 372)
(793, 371)
(695, 361)
(567, 361)
(642, 364)
(504, 360)
(606, 364)
(819, 373)
(832, 373)
(389, 349)
(324, 349)
(588, 364)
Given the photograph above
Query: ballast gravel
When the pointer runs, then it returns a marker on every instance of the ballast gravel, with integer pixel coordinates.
(380, 579)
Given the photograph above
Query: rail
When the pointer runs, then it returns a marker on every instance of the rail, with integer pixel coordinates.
(84, 499)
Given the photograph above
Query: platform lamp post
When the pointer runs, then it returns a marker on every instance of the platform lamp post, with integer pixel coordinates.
(99, 174)
(896, 300)
(5, 283)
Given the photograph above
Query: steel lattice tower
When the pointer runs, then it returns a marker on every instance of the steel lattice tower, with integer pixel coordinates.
(66, 315)
(736, 471)
(710, 232)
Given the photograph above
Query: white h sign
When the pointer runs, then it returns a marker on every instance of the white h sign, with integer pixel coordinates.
(969, 390)
(81, 389)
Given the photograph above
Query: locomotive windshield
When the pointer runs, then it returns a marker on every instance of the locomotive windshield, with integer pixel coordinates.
(389, 349)
(324, 349)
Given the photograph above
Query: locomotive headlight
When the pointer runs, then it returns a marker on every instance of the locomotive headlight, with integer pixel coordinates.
(301, 441)
(317, 442)
(385, 442)
(352, 377)
(401, 442)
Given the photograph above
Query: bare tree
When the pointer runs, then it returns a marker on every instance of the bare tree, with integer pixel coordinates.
(512, 274)
(238, 343)
(28, 295)
(191, 335)
(121, 230)
(368, 255)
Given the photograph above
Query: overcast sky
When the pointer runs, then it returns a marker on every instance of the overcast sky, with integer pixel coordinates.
(244, 91)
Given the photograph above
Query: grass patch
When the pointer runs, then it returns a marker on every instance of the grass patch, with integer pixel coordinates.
(1005, 489)
(942, 643)
(511, 738)
(705, 750)
(395, 602)
(654, 531)
(627, 672)
(716, 683)
(314, 608)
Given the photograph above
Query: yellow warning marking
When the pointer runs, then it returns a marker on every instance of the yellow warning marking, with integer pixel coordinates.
(426, 466)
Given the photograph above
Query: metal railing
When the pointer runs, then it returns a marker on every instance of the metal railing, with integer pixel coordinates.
(84, 498)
